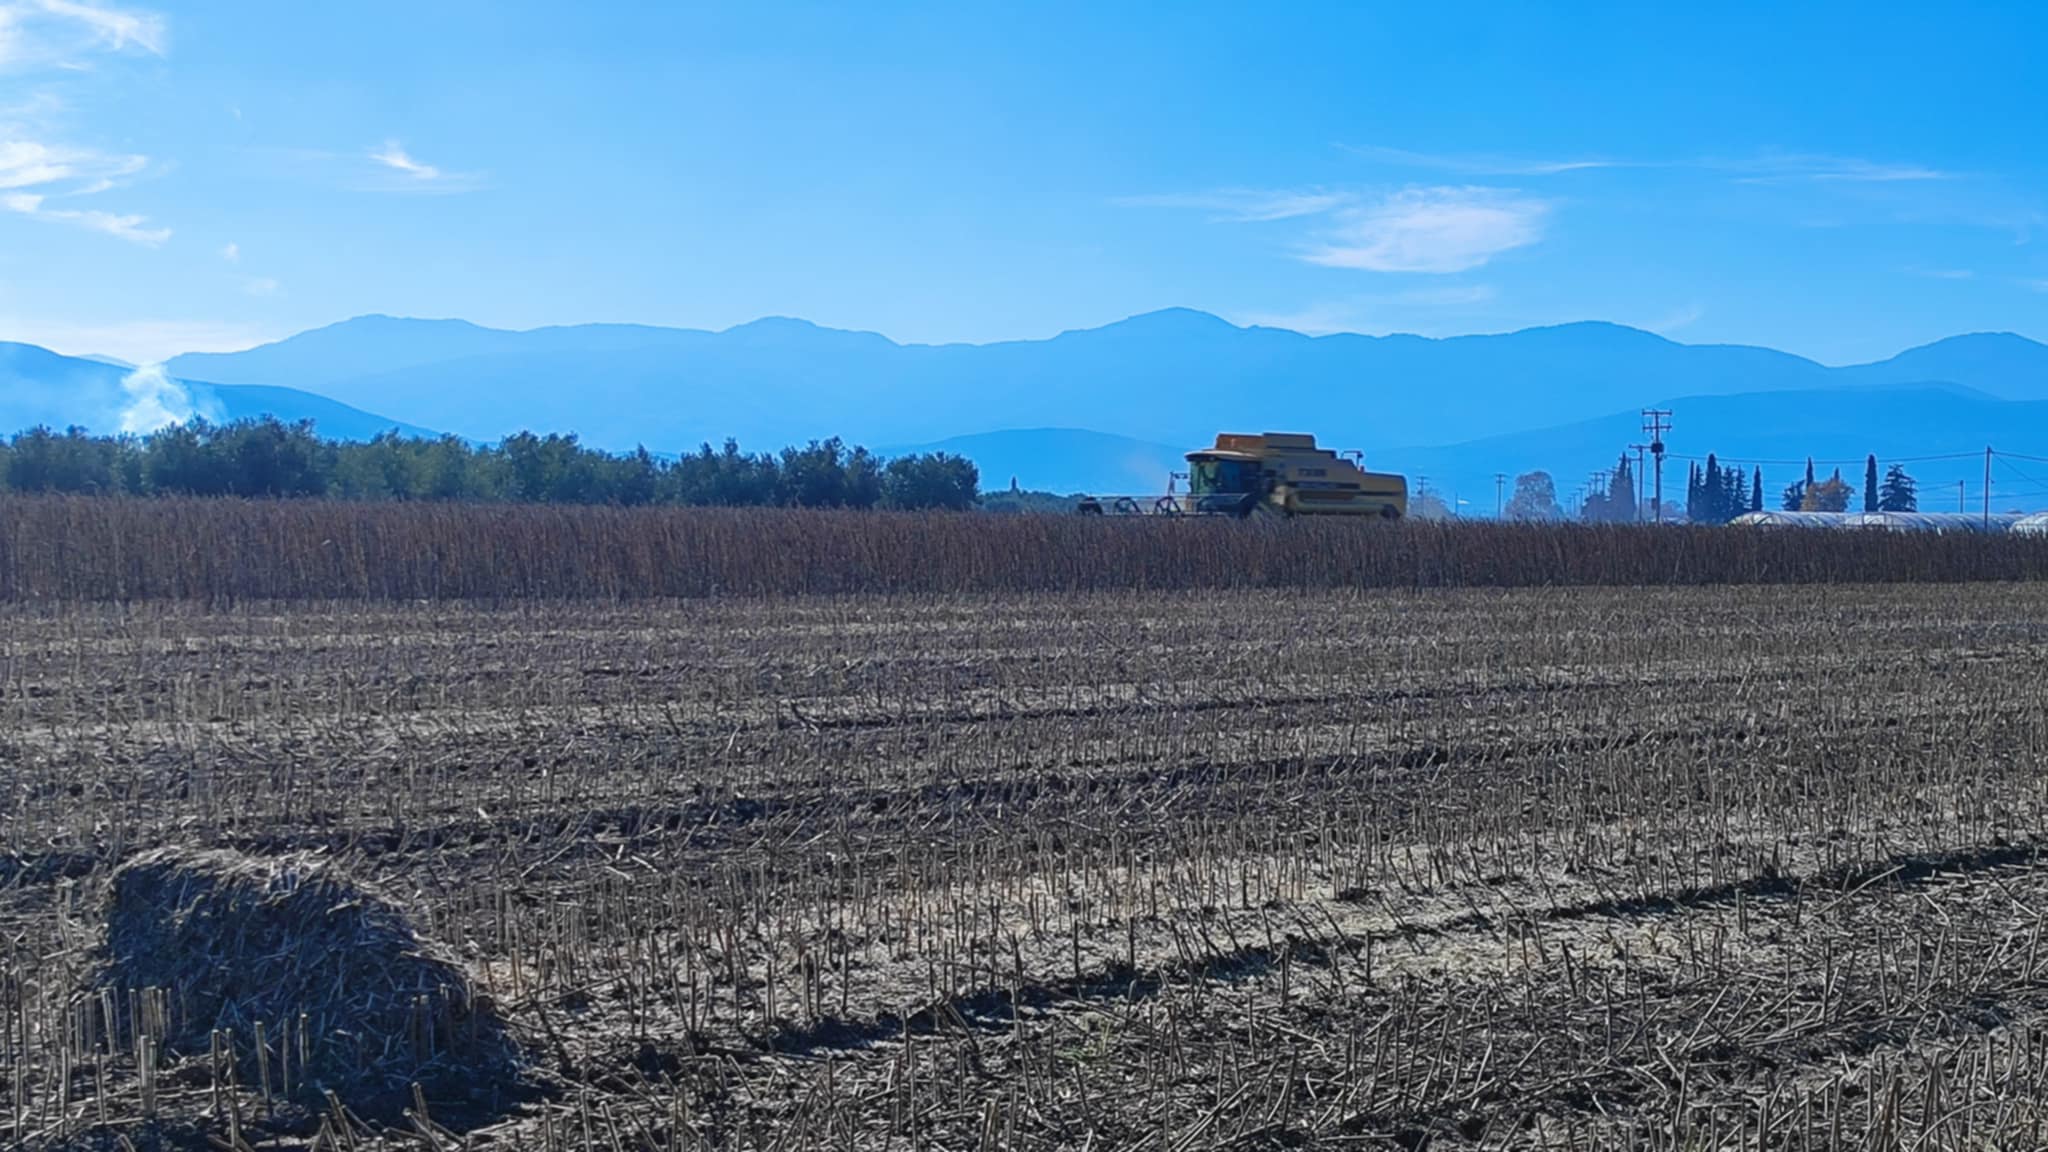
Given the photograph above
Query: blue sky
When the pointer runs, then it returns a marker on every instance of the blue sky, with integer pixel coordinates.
(1838, 180)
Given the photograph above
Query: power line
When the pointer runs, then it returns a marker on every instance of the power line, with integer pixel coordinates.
(2017, 470)
(1803, 461)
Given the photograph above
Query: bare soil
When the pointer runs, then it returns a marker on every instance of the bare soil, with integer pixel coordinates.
(1676, 868)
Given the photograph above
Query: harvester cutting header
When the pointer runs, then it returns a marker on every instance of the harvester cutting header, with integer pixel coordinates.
(1272, 474)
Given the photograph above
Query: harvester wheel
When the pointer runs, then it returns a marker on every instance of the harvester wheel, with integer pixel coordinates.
(1390, 513)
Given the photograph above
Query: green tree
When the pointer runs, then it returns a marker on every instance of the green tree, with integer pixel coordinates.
(1535, 498)
(931, 480)
(43, 461)
(181, 459)
(1830, 495)
(1899, 493)
(726, 478)
(1715, 495)
(823, 474)
(636, 479)
(863, 485)
(1615, 503)
(269, 458)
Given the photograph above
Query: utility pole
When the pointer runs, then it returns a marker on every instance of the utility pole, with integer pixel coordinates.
(1500, 485)
(1639, 449)
(1656, 422)
(1962, 502)
(1987, 487)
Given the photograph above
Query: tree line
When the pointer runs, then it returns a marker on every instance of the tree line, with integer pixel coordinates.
(1715, 494)
(269, 458)
(1897, 492)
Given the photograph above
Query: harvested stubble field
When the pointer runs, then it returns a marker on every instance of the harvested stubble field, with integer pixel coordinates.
(1671, 868)
(218, 552)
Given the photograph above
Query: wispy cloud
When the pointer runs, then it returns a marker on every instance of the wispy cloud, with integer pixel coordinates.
(27, 163)
(38, 34)
(112, 28)
(1488, 165)
(126, 226)
(1438, 230)
(1425, 229)
(393, 156)
(41, 179)
(1944, 273)
(402, 172)
(1822, 169)
(232, 253)
(1246, 205)
(1761, 168)
(262, 286)
(42, 175)
(31, 163)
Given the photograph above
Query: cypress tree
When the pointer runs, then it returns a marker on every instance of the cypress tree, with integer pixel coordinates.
(1870, 483)
(1621, 491)
(1756, 493)
(1733, 498)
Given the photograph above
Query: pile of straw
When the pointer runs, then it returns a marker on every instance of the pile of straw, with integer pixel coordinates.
(350, 999)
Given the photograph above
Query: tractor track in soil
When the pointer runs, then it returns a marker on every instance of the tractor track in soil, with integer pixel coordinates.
(995, 1007)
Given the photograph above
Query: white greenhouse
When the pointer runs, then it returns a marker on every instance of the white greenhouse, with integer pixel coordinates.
(2032, 524)
(1973, 522)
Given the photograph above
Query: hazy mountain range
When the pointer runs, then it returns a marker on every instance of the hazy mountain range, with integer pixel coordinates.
(39, 387)
(1105, 409)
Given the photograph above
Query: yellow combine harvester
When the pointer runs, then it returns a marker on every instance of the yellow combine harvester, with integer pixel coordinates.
(1276, 473)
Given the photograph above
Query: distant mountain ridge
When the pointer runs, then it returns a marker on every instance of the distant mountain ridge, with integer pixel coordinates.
(1109, 409)
(41, 387)
(1169, 377)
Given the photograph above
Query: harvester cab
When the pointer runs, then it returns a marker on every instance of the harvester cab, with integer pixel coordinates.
(1226, 483)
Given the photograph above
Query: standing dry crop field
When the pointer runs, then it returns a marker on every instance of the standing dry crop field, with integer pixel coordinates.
(1682, 867)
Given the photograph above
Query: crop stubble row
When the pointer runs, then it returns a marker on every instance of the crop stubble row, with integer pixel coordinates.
(111, 550)
(1683, 866)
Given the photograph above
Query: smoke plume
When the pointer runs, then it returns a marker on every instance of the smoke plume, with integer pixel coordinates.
(154, 400)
